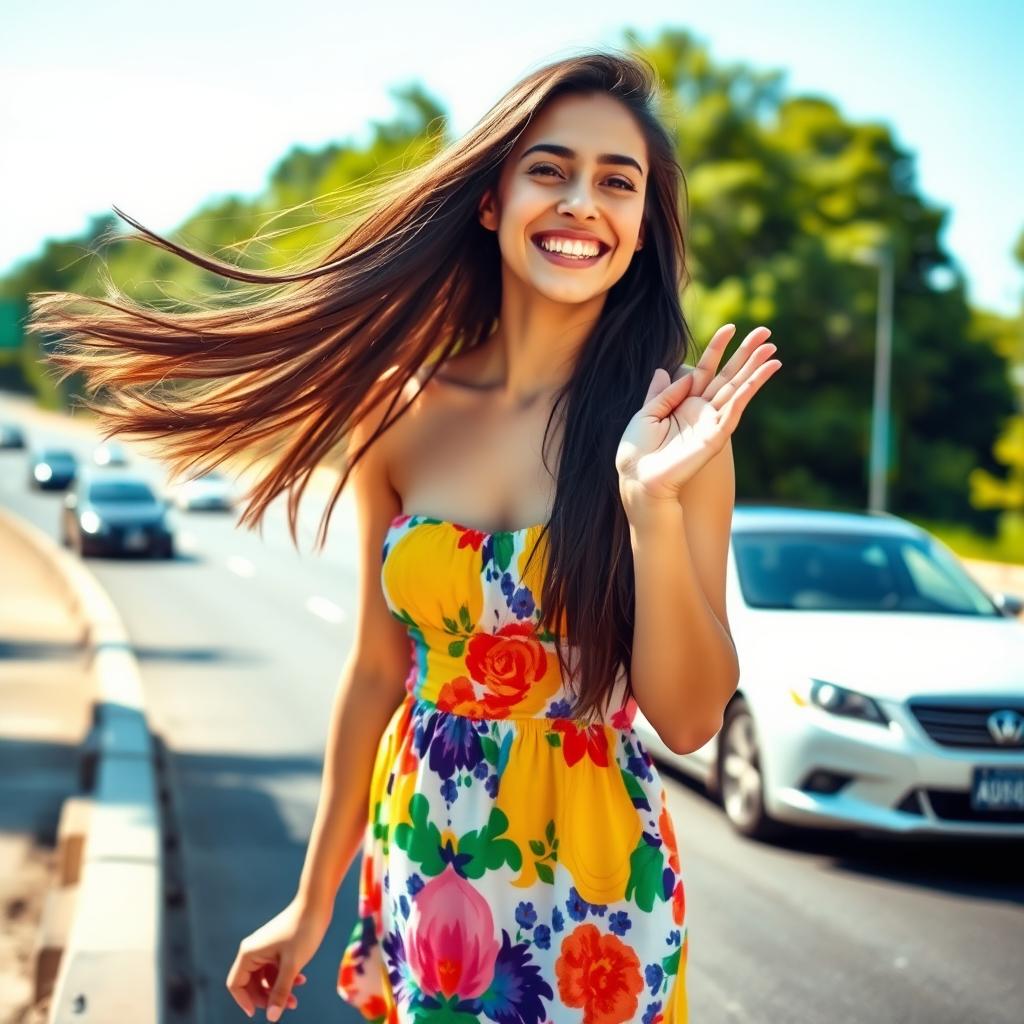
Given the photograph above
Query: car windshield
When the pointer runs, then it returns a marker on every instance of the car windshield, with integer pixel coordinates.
(854, 572)
(120, 490)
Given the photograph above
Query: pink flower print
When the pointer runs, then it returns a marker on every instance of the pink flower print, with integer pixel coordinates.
(450, 945)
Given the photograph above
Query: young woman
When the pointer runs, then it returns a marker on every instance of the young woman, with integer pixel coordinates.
(519, 861)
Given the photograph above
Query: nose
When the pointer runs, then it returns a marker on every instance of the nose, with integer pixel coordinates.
(578, 201)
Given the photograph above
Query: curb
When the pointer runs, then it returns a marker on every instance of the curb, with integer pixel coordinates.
(111, 968)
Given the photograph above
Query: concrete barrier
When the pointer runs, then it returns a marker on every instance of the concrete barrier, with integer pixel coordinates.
(111, 967)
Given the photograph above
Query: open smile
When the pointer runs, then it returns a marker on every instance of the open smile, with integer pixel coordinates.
(563, 259)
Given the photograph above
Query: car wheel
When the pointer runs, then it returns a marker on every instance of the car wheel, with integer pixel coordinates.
(740, 784)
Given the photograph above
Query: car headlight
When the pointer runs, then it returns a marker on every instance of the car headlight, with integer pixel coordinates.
(839, 700)
(90, 522)
(43, 472)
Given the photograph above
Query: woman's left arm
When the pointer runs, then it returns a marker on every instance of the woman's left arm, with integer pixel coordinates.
(677, 484)
(684, 665)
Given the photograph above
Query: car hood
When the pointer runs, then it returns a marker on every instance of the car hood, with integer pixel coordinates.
(128, 512)
(890, 654)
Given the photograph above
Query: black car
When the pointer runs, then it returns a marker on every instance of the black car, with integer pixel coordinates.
(11, 436)
(52, 468)
(116, 512)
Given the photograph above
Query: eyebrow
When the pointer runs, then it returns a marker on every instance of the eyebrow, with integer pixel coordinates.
(570, 154)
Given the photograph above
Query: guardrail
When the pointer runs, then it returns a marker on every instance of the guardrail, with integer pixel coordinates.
(108, 907)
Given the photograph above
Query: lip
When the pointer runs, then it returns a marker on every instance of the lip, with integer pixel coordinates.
(566, 261)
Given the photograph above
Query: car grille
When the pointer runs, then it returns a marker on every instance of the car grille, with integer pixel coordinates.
(964, 725)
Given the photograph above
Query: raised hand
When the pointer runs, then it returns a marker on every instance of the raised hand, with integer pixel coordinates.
(683, 423)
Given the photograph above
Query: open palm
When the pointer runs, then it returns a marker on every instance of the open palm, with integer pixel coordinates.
(683, 423)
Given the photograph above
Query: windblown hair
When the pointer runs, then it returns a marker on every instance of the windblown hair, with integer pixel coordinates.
(416, 280)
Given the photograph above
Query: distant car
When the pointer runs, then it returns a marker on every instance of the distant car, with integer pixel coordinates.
(110, 453)
(11, 436)
(881, 688)
(212, 490)
(116, 511)
(52, 468)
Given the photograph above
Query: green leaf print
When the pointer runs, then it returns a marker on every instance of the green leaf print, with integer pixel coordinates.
(404, 616)
(646, 864)
(445, 1013)
(670, 964)
(549, 832)
(503, 754)
(467, 622)
(545, 874)
(421, 840)
(490, 749)
(554, 738)
(486, 851)
(456, 647)
(538, 847)
(504, 548)
(450, 624)
(633, 787)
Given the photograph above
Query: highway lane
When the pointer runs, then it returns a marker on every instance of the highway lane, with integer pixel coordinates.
(239, 665)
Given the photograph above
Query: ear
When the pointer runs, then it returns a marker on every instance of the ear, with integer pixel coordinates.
(487, 211)
(640, 237)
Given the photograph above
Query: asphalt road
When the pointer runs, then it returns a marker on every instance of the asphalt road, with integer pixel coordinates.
(240, 641)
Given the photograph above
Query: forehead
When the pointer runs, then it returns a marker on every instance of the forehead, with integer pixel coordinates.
(589, 124)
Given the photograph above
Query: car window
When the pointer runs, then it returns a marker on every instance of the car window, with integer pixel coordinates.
(120, 490)
(853, 572)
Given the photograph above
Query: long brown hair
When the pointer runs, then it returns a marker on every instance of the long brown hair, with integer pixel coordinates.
(288, 374)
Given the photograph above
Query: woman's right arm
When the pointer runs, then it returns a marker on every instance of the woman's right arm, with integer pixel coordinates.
(371, 687)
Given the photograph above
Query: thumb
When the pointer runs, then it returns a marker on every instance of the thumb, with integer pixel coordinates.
(662, 398)
(653, 388)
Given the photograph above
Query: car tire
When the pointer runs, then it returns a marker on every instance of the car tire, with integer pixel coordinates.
(739, 782)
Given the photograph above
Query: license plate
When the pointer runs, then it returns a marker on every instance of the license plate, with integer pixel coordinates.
(135, 539)
(997, 789)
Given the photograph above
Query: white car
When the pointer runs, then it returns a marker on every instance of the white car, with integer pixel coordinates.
(211, 490)
(881, 688)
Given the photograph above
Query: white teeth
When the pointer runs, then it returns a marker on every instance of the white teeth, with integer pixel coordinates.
(573, 248)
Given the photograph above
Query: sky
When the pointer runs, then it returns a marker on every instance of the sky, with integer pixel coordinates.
(159, 109)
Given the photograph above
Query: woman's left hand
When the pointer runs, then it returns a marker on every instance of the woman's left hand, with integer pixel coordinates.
(683, 423)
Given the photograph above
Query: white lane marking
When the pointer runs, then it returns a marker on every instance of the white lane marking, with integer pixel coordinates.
(325, 609)
(241, 566)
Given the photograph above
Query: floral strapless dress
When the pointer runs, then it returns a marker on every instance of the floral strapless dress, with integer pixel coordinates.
(517, 867)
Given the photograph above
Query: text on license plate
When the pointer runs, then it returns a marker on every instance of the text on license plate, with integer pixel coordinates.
(997, 789)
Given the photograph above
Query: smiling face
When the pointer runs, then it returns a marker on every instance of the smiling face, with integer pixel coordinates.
(570, 198)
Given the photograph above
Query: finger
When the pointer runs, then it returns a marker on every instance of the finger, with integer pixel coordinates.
(665, 400)
(281, 991)
(733, 409)
(238, 984)
(710, 358)
(730, 373)
(654, 387)
(726, 390)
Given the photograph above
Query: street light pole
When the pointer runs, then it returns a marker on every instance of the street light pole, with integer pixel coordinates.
(880, 427)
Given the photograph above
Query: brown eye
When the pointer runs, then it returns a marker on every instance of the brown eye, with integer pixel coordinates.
(620, 183)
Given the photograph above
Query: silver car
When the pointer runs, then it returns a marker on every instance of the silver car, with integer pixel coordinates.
(881, 688)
